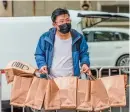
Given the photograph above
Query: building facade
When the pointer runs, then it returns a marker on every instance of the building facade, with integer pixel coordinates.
(45, 8)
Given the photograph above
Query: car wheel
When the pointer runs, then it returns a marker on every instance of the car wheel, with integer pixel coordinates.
(124, 61)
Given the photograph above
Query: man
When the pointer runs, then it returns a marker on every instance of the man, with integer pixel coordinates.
(61, 48)
(86, 22)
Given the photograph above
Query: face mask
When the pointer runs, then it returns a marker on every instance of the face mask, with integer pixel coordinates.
(65, 28)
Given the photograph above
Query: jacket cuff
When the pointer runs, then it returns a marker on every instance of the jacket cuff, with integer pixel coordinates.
(41, 65)
(87, 63)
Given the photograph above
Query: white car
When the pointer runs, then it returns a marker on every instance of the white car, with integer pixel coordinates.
(108, 46)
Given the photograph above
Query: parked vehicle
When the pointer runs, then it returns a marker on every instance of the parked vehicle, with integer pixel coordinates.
(108, 46)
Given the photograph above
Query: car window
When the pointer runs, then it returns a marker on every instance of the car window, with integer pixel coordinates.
(98, 36)
(124, 36)
(88, 36)
(103, 36)
(121, 36)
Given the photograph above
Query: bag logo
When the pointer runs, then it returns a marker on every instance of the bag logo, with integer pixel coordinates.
(20, 65)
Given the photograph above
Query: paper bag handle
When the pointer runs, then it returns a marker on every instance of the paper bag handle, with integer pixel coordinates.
(91, 77)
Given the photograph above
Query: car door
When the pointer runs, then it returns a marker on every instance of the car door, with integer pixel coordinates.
(101, 48)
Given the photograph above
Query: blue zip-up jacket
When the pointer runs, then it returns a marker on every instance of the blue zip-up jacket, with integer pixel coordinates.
(45, 48)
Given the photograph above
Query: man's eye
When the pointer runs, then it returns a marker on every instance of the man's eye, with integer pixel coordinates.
(61, 21)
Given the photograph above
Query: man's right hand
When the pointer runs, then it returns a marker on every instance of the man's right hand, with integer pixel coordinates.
(43, 70)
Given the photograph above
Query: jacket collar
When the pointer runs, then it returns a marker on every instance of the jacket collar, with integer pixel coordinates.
(51, 36)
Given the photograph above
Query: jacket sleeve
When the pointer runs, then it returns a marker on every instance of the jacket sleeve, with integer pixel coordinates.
(84, 55)
(40, 53)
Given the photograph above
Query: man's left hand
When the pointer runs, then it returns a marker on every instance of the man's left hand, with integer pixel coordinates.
(86, 69)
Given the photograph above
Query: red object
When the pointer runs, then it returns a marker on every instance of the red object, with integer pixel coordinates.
(2, 71)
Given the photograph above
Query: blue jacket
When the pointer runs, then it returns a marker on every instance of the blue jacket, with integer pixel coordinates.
(45, 48)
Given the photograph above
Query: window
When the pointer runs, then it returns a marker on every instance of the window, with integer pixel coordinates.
(124, 9)
(121, 36)
(124, 36)
(110, 36)
(88, 36)
(99, 36)
(106, 8)
(116, 9)
(103, 36)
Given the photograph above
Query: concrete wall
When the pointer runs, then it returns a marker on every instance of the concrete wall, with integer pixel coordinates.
(23, 8)
(46, 7)
(42, 8)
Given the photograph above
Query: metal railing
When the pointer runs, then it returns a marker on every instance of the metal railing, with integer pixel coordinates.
(121, 71)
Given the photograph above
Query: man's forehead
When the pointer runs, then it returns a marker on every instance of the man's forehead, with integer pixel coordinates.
(63, 16)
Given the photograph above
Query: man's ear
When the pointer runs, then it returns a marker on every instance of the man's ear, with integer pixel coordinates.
(53, 24)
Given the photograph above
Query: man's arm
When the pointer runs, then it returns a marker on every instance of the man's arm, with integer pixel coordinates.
(84, 55)
(40, 53)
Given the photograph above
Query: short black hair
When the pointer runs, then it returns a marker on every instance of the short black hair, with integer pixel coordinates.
(85, 5)
(57, 12)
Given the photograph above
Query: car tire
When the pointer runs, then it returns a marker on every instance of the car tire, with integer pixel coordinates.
(123, 61)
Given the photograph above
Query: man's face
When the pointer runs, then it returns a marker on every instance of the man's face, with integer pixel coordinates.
(61, 19)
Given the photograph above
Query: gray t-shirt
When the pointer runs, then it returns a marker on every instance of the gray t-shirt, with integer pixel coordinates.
(62, 64)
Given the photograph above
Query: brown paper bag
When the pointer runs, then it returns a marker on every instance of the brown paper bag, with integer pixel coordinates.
(99, 96)
(61, 93)
(115, 86)
(18, 68)
(68, 91)
(52, 97)
(19, 91)
(125, 80)
(9, 73)
(84, 95)
(36, 93)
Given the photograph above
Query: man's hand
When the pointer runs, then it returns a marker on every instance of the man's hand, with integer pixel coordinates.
(86, 69)
(43, 70)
